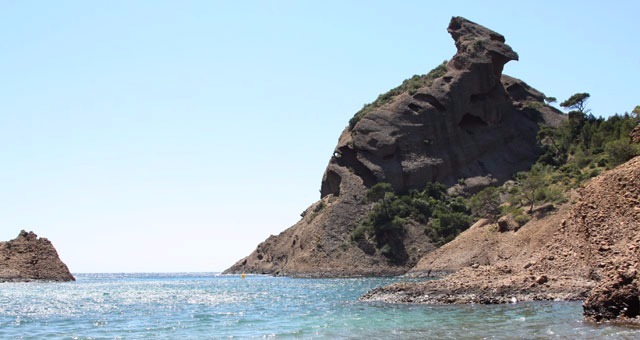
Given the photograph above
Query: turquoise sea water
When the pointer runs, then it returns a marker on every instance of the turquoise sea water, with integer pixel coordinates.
(203, 306)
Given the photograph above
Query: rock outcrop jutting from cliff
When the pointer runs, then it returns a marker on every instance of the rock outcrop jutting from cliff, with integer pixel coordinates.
(29, 258)
(471, 125)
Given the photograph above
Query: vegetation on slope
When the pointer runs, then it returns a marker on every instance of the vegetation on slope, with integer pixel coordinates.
(577, 150)
(444, 216)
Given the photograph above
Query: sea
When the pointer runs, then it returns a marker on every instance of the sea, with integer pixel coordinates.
(212, 306)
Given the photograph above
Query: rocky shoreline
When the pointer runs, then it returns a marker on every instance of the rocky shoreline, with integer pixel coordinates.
(484, 288)
(434, 295)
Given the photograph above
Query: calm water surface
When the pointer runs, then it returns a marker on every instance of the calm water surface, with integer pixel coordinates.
(202, 306)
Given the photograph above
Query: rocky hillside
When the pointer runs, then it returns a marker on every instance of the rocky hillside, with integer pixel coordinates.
(610, 216)
(536, 262)
(589, 248)
(485, 244)
(464, 122)
(28, 258)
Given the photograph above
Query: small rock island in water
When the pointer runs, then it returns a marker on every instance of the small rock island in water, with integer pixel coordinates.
(30, 258)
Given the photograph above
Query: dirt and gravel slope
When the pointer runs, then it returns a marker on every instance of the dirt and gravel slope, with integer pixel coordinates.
(591, 246)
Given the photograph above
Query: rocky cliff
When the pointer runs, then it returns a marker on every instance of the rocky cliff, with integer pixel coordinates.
(464, 123)
(28, 258)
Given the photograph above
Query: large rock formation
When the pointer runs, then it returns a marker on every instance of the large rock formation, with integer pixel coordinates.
(471, 122)
(29, 258)
(466, 124)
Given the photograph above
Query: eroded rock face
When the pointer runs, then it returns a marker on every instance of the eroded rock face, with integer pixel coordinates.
(472, 123)
(28, 258)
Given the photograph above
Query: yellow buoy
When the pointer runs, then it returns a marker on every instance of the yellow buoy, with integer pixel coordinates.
(242, 276)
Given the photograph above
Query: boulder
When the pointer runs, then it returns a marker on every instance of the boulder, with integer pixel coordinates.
(507, 223)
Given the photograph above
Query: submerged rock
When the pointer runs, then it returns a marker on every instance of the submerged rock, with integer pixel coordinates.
(29, 258)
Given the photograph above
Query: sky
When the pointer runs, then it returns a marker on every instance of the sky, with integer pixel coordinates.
(174, 136)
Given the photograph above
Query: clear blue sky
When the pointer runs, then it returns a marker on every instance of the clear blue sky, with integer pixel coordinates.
(177, 135)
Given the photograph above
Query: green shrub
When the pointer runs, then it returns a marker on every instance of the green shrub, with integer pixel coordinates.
(581, 158)
(458, 204)
(620, 151)
(555, 194)
(423, 210)
(570, 170)
(444, 216)
(446, 226)
(602, 162)
(534, 104)
(511, 209)
(521, 219)
(361, 232)
(485, 203)
(386, 250)
(398, 223)
(318, 208)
